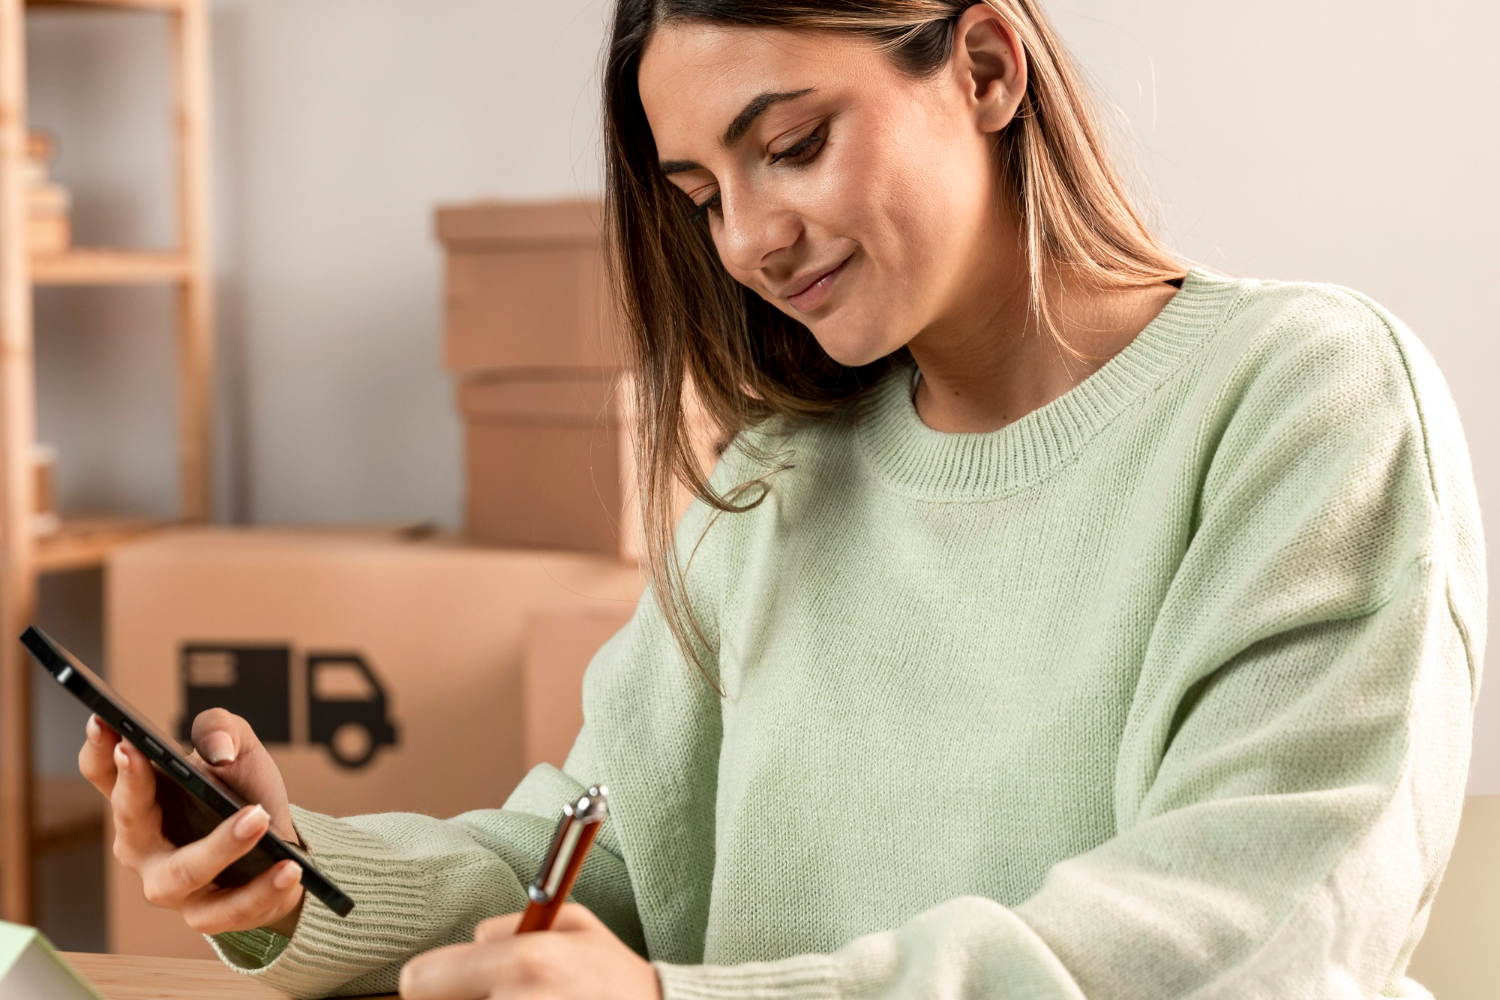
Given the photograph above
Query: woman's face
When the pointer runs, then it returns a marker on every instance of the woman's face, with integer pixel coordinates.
(847, 193)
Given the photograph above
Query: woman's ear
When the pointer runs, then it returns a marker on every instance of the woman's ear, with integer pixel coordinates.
(990, 64)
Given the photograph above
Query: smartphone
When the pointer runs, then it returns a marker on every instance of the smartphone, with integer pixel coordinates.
(192, 803)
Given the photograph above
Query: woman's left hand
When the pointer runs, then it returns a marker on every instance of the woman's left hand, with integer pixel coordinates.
(578, 959)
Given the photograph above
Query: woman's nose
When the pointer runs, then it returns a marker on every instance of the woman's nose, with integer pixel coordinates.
(754, 230)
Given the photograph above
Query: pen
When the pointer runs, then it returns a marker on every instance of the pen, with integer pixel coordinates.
(575, 834)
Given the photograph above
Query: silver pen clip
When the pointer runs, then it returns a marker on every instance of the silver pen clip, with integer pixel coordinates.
(591, 808)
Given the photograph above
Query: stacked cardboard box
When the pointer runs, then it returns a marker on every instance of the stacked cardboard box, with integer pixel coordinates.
(532, 341)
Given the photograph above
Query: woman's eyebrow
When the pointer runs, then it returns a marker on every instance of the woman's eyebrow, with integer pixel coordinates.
(737, 128)
(753, 110)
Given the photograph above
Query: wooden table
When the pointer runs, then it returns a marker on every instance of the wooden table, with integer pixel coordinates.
(132, 977)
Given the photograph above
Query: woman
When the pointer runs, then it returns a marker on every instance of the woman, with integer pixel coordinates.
(1060, 621)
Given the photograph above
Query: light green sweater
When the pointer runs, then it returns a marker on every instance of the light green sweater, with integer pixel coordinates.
(1163, 690)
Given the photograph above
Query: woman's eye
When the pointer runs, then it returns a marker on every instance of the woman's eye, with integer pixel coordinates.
(803, 150)
(710, 204)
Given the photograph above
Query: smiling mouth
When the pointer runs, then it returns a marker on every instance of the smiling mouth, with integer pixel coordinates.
(813, 295)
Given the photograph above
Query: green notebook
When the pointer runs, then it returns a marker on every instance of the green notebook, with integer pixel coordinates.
(31, 969)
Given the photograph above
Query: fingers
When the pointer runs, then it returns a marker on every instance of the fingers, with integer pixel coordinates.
(172, 877)
(96, 757)
(572, 917)
(262, 901)
(502, 963)
(137, 817)
(457, 972)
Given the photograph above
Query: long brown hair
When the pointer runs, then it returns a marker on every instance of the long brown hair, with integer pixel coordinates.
(690, 323)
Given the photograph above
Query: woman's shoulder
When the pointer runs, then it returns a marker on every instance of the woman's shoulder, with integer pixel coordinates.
(1312, 366)
(1330, 353)
(1327, 334)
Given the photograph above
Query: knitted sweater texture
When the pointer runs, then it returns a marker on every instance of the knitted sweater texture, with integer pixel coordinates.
(1163, 690)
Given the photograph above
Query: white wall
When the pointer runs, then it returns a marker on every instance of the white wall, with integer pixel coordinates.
(345, 121)
(1288, 138)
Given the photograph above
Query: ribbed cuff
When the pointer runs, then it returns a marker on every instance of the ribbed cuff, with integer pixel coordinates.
(249, 950)
(326, 951)
(807, 977)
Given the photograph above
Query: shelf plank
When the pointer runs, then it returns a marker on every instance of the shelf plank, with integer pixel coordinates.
(111, 267)
(69, 811)
(83, 543)
(168, 5)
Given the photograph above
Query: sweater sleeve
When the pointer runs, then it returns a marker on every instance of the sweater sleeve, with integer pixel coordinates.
(420, 883)
(1291, 774)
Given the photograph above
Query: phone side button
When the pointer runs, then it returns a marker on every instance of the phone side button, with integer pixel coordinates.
(125, 724)
(152, 746)
(180, 768)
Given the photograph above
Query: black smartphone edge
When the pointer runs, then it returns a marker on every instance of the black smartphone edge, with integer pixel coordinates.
(103, 702)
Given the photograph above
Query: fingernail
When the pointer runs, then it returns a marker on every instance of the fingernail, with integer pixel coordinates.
(122, 758)
(92, 730)
(218, 748)
(289, 872)
(252, 822)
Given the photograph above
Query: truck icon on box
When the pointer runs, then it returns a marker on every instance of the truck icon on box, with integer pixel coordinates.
(341, 703)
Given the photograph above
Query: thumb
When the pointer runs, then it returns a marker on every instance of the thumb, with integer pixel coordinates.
(235, 756)
(221, 737)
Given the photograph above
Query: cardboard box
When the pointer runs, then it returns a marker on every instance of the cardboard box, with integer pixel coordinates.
(703, 437)
(561, 640)
(370, 664)
(543, 459)
(550, 462)
(526, 288)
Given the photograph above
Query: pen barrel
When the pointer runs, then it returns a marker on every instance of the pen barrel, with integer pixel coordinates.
(539, 916)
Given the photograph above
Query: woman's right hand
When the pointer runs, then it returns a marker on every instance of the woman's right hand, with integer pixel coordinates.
(181, 878)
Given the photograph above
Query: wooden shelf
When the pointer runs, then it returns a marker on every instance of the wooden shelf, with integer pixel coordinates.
(138, 4)
(111, 267)
(186, 271)
(83, 543)
(69, 811)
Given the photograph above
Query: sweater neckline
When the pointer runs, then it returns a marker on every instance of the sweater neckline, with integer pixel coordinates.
(941, 466)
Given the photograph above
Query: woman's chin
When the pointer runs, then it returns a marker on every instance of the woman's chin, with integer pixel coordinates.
(857, 348)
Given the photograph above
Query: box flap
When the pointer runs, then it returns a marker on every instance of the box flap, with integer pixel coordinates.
(506, 225)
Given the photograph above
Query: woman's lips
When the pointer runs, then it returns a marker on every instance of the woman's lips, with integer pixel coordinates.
(814, 294)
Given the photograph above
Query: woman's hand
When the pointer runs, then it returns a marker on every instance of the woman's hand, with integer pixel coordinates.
(578, 959)
(181, 878)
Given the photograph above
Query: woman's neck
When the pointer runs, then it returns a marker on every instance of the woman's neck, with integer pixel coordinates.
(989, 364)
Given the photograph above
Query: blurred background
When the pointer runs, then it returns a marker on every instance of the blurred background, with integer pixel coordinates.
(1299, 140)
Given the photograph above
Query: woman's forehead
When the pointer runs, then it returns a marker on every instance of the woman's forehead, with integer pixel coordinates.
(692, 74)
